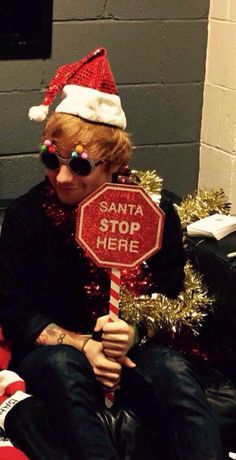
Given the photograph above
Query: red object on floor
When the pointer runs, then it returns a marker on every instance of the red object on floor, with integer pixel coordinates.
(11, 453)
(5, 354)
(7, 452)
(10, 383)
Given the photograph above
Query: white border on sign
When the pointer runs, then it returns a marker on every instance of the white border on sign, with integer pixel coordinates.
(96, 194)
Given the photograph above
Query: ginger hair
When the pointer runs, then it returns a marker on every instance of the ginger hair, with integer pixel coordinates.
(101, 141)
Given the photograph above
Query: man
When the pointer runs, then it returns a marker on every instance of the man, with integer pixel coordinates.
(55, 300)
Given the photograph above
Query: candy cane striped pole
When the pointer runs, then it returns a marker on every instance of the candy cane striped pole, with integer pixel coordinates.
(113, 313)
(114, 294)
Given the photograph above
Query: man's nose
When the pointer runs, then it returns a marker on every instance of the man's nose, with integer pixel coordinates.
(64, 174)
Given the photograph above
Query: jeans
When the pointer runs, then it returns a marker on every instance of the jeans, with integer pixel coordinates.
(163, 391)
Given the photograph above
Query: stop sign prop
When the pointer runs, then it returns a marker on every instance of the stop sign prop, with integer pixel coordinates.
(119, 226)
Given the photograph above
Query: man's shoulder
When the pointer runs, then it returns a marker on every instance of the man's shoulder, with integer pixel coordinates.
(26, 207)
(31, 198)
(166, 204)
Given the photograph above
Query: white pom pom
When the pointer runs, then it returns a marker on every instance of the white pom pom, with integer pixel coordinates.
(38, 112)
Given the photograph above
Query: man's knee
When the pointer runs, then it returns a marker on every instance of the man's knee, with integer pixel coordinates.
(54, 365)
(165, 366)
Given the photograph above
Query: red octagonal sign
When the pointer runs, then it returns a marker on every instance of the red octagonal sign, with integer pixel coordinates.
(119, 225)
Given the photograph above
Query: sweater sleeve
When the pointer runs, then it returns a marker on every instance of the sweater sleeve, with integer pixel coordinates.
(167, 265)
(21, 320)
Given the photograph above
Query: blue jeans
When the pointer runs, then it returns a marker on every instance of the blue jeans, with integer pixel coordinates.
(163, 391)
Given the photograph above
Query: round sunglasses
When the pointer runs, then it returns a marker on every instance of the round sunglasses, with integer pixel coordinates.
(77, 165)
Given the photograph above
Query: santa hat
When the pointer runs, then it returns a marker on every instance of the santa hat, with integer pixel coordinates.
(88, 90)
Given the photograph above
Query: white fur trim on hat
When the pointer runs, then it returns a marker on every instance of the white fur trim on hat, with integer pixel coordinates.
(38, 112)
(92, 105)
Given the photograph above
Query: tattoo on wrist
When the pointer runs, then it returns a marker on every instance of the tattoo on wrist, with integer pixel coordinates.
(61, 338)
(51, 335)
(52, 329)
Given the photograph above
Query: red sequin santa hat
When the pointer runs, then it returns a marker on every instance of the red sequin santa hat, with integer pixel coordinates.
(88, 90)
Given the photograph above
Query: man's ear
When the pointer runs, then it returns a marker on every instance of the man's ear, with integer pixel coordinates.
(114, 169)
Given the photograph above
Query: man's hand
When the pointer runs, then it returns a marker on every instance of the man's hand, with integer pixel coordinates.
(117, 339)
(107, 372)
(56, 335)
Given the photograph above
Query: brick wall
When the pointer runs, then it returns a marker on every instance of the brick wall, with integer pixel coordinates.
(157, 52)
(218, 135)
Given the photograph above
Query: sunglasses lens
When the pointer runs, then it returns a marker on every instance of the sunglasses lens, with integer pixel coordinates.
(80, 166)
(50, 160)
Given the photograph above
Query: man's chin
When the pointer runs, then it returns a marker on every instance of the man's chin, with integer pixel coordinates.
(70, 198)
(67, 199)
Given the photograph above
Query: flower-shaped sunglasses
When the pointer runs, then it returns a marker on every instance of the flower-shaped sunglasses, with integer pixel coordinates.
(79, 162)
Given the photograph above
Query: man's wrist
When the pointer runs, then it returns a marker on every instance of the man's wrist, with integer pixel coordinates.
(144, 331)
(85, 341)
(52, 335)
(55, 335)
(140, 334)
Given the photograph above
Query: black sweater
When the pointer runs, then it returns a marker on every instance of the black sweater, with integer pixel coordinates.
(45, 277)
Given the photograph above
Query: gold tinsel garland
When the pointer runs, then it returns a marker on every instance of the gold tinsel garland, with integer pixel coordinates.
(202, 204)
(193, 303)
(188, 310)
(149, 180)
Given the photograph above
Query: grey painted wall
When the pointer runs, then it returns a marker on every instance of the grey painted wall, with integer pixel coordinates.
(157, 52)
